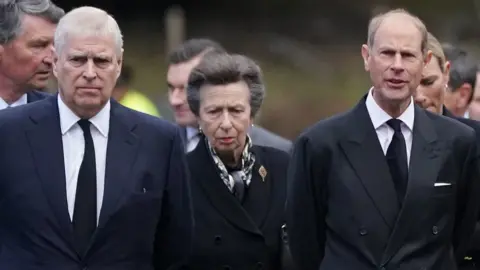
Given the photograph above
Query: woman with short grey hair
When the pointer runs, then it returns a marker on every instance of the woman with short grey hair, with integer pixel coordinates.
(238, 189)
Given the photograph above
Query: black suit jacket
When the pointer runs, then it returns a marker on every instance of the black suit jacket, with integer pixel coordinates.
(231, 235)
(146, 209)
(342, 210)
(474, 250)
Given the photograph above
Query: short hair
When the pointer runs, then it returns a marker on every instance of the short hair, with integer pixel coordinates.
(193, 48)
(126, 76)
(221, 69)
(378, 19)
(87, 21)
(13, 11)
(463, 68)
(437, 51)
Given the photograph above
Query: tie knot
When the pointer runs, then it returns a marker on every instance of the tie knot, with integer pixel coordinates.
(395, 124)
(84, 124)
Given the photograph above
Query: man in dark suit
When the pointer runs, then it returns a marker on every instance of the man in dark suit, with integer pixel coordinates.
(386, 185)
(26, 55)
(181, 61)
(86, 183)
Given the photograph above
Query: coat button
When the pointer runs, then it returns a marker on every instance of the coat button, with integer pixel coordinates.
(435, 230)
(363, 232)
(259, 265)
(218, 239)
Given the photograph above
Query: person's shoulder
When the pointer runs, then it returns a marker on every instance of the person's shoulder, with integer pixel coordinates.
(326, 129)
(262, 136)
(448, 125)
(153, 124)
(271, 154)
(471, 123)
(17, 116)
(452, 129)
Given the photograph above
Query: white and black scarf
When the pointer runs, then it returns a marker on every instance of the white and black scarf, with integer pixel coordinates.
(247, 162)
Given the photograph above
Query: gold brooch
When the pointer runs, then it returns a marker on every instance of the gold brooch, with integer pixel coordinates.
(263, 173)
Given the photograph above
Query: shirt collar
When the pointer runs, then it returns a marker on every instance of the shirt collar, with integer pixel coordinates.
(21, 101)
(380, 117)
(191, 132)
(101, 121)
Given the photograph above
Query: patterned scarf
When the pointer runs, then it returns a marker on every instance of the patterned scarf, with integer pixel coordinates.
(248, 160)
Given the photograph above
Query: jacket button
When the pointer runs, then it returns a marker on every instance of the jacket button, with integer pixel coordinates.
(259, 265)
(218, 239)
(435, 230)
(363, 232)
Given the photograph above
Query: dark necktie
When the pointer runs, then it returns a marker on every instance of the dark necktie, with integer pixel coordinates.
(85, 211)
(397, 159)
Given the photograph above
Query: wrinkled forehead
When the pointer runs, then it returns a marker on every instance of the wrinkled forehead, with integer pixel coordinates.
(399, 32)
(93, 46)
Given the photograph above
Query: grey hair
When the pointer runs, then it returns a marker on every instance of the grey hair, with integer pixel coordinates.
(87, 21)
(13, 11)
(217, 68)
(377, 21)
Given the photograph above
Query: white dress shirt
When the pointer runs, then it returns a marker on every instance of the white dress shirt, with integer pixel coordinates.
(384, 132)
(193, 138)
(74, 147)
(21, 101)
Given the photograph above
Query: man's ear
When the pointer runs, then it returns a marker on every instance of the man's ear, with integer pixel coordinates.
(119, 63)
(366, 56)
(55, 63)
(2, 51)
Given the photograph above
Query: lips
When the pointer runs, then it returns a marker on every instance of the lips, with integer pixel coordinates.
(396, 81)
(226, 140)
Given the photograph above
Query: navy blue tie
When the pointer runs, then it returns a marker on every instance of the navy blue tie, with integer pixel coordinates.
(397, 159)
(85, 213)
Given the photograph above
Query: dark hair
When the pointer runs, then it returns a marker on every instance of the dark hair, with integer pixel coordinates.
(12, 11)
(221, 69)
(463, 68)
(193, 48)
(126, 76)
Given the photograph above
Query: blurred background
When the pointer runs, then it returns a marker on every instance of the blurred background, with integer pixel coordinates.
(309, 50)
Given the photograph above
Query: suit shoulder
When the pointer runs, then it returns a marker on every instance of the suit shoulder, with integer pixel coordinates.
(156, 124)
(475, 125)
(270, 153)
(327, 128)
(18, 115)
(451, 125)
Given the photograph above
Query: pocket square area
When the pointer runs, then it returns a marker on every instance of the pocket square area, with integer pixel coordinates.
(442, 184)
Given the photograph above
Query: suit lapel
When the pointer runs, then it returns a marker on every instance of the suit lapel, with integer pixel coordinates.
(205, 172)
(45, 139)
(363, 150)
(257, 201)
(425, 162)
(122, 151)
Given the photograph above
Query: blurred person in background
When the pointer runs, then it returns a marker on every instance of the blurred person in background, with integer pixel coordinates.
(26, 49)
(181, 61)
(131, 98)
(462, 80)
(386, 185)
(430, 95)
(86, 183)
(474, 108)
(238, 188)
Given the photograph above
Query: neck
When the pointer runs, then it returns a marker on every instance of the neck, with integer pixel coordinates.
(392, 108)
(9, 92)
